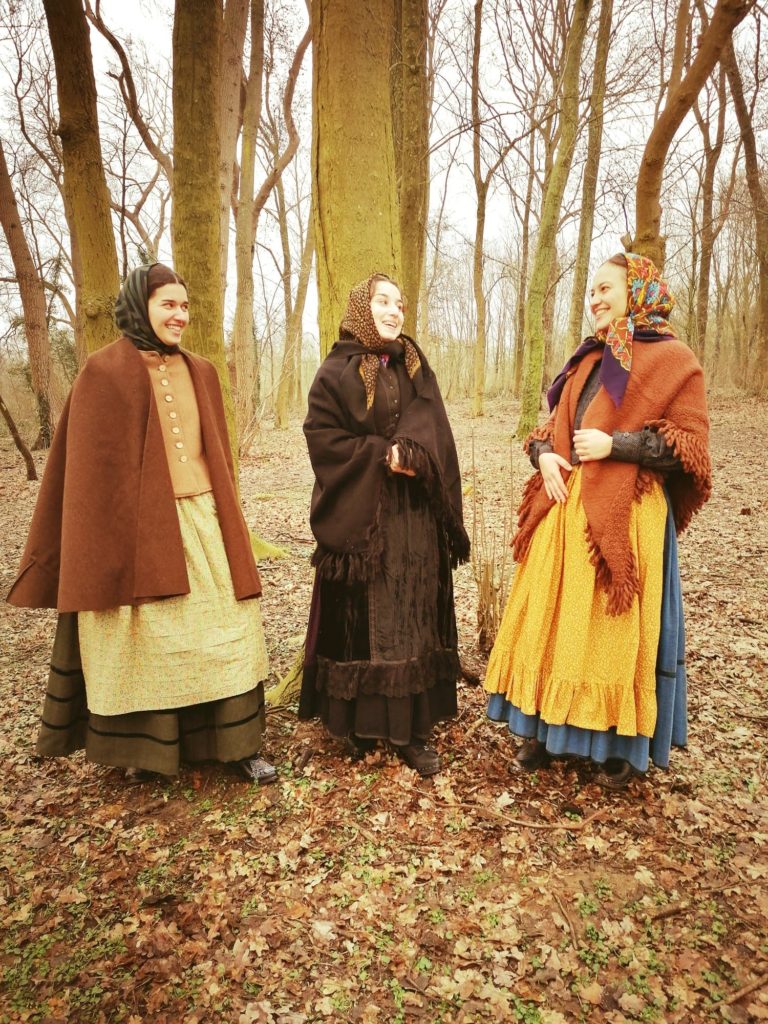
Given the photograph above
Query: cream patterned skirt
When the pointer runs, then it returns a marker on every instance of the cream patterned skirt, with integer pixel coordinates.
(181, 651)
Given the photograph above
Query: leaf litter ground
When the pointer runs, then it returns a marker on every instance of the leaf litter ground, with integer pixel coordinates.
(361, 893)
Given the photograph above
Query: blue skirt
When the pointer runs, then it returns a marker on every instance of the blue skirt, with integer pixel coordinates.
(671, 693)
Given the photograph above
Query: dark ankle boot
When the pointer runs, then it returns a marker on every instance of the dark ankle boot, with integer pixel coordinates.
(532, 756)
(421, 757)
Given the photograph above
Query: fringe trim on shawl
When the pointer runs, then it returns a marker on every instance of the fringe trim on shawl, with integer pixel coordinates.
(352, 566)
(346, 680)
(525, 528)
(545, 432)
(620, 587)
(414, 456)
(694, 456)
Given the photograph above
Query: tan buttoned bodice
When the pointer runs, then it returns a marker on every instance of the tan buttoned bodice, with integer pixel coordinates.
(180, 422)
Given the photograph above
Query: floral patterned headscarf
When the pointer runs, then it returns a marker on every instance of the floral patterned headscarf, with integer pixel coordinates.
(649, 303)
(358, 323)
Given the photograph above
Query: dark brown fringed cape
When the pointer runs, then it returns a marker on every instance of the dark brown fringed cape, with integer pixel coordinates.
(665, 392)
(349, 461)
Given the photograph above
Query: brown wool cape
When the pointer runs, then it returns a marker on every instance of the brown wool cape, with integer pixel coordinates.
(666, 393)
(349, 461)
(105, 531)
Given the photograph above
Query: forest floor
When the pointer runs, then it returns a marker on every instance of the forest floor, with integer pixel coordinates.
(361, 893)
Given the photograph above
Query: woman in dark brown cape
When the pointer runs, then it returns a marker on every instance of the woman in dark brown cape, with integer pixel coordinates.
(381, 657)
(139, 541)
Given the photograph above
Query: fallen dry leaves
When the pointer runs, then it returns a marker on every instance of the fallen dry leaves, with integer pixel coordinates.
(361, 893)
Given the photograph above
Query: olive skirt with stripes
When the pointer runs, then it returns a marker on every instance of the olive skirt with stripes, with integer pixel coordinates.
(166, 682)
(224, 730)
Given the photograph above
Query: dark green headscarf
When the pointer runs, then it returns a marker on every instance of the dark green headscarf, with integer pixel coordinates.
(131, 314)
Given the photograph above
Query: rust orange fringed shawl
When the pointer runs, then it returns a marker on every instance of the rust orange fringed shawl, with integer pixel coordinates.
(666, 392)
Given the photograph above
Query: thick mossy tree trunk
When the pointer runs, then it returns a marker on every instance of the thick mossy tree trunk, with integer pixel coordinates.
(196, 224)
(33, 302)
(591, 168)
(533, 363)
(357, 223)
(87, 197)
(410, 120)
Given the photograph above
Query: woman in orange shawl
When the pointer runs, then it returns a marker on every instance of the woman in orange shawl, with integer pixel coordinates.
(589, 660)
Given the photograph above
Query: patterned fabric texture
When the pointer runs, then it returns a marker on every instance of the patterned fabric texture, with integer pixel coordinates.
(559, 653)
(671, 727)
(227, 730)
(649, 304)
(358, 323)
(131, 312)
(202, 646)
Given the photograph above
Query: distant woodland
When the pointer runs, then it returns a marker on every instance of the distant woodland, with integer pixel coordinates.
(487, 155)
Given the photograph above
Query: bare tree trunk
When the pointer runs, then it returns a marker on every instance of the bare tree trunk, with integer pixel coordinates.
(245, 231)
(290, 382)
(232, 44)
(712, 153)
(551, 357)
(18, 441)
(196, 224)
(481, 191)
(591, 168)
(482, 184)
(33, 303)
(522, 287)
(550, 215)
(410, 116)
(648, 239)
(250, 206)
(357, 224)
(759, 197)
(87, 197)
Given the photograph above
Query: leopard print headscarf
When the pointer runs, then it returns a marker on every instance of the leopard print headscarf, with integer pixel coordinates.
(358, 323)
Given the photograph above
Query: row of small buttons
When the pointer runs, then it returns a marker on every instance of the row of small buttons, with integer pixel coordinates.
(172, 414)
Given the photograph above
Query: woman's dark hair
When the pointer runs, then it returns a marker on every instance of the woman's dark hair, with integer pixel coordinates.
(159, 275)
(619, 260)
(384, 277)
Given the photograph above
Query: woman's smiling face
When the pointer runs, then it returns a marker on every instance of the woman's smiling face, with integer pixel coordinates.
(168, 311)
(608, 297)
(387, 310)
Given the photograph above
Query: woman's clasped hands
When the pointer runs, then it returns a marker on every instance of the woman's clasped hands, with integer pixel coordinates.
(589, 444)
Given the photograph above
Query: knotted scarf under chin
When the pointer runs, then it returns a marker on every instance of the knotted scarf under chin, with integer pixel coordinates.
(132, 316)
(649, 304)
(358, 323)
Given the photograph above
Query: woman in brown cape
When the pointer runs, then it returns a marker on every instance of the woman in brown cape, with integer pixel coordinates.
(381, 658)
(139, 541)
(590, 657)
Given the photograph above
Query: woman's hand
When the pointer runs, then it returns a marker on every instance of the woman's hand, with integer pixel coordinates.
(591, 445)
(550, 465)
(394, 462)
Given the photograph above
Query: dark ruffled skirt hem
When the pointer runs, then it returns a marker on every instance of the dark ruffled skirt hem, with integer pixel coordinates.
(397, 720)
(346, 680)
